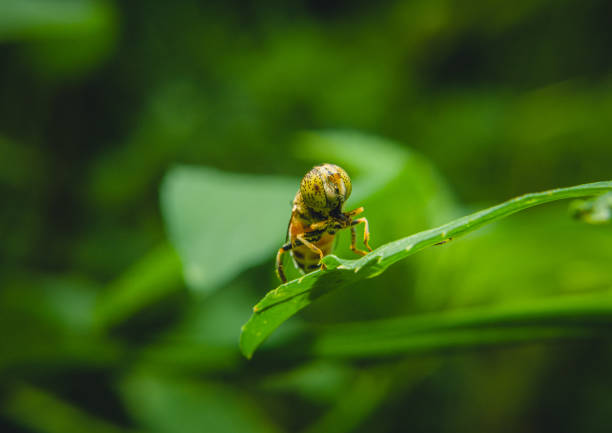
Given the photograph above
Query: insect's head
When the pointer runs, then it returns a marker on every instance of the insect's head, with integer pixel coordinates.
(326, 187)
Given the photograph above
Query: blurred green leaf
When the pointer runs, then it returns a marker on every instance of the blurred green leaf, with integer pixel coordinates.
(64, 36)
(355, 150)
(172, 119)
(319, 381)
(205, 338)
(565, 317)
(286, 300)
(148, 281)
(172, 405)
(369, 390)
(53, 319)
(517, 259)
(381, 169)
(594, 211)
(40, 411)
(222, 223)
(44, 18)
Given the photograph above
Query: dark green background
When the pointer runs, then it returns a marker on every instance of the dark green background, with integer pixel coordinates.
(100, 99)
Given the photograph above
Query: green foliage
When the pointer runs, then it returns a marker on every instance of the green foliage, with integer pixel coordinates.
(148, 157)
(594, 211)
(147, 282)
(286, 300)
(224, 223)
(568, 317)
(65, 38)
(52, 326)
(39, 19)
(150, 397)
(52, 414)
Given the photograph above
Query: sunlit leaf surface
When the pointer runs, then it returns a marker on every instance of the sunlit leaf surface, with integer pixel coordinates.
(223, 223)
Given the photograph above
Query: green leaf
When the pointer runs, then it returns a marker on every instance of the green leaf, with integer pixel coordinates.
(594, 211)
(40, 411)
(51, 18)
(369, 391)
(223, 223)
(54, 330)
(529, 256)
(286, 300)
(354, 149)
(205, 338)
(62, 39)
(395, 170)
(565, 317)
(320, 381)
(148, 281)
(166, 404)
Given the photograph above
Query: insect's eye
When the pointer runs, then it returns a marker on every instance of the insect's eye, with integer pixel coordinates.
(325, 187)
(313, 190)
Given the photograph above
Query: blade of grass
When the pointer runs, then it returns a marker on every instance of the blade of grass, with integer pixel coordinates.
(548, 319)
(289, 298)
(451, 339)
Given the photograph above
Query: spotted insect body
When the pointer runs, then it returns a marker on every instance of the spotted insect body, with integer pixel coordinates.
(317, 216)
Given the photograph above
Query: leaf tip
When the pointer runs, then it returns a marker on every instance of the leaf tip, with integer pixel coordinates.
(248, 354)
(244, 349)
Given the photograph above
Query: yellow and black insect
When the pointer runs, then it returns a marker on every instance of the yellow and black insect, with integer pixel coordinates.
(316, 217)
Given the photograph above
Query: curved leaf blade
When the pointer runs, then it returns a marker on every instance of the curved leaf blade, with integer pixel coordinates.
(289, 298)
(567, 317)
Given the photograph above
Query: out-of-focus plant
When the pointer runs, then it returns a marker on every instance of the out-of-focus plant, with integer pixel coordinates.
(117, 315)
(594, 211)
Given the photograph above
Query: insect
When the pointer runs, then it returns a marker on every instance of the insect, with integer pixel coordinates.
(317, 216)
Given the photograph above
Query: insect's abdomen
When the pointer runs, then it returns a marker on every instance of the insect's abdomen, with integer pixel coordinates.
(306, 259)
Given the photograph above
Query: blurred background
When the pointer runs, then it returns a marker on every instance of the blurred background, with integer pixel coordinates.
(148, 155)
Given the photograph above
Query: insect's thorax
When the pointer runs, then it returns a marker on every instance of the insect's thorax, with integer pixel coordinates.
(303, 217)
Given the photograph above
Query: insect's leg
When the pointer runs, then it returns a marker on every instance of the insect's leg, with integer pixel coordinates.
(354, 212)
(366, 234)
(312, 246)
(353, 243)
(319, 225)
(279, 261)
(444, 241)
